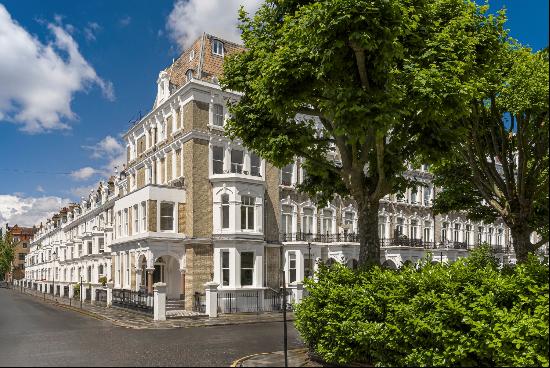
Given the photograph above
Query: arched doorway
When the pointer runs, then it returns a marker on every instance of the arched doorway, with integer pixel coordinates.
(167, 270)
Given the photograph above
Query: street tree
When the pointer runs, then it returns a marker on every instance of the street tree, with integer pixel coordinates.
(498, 166)
(379, 80)
(7, 253)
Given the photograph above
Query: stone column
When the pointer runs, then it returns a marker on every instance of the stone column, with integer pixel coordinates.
(109, 294)
(212, 299)
(62, 291)
(159, 313)
(92, 296)
(150, 280)
(299, 291)
(71, 291)
(182, 294)
(82, 288)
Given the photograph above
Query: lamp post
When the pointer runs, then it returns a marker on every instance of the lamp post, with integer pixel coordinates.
(54, 258)
(309, 259)
(284, 305)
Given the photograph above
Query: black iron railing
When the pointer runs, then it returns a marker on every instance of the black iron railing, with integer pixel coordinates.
(101, 296)
(199, 302)
(320, 238)
(252, 301)
(138, 300)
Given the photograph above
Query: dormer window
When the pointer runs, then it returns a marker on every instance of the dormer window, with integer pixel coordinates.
(189, 74)
(217, 47)
(191, 55)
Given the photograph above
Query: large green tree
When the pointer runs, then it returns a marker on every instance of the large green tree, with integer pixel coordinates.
(384, 79)
(498, 166)
(7, 253)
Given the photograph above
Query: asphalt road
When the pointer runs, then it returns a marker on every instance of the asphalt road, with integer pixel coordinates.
(36, 334)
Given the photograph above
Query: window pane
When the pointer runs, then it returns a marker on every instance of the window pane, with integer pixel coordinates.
(286, 178)
(225, 277)
(250, 218)
(247, 260)
(217, 159)
(255, 163)
(236, 161)
(243, 217)
(225, 259)
(218, 115)
(246, 277)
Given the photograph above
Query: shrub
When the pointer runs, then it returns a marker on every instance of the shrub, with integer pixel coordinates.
(103, 280)
(76, 291)
(463, 314)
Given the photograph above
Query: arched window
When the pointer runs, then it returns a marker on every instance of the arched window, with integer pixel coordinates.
(189, 74)
(225, 211)
(307, 220)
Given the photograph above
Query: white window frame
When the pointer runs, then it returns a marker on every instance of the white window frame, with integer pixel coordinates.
(248, 216)
(225, 208)
(161, 216)
(218, 47)
(225, 268)
(214, 160)
(217, 115)
(243, 269)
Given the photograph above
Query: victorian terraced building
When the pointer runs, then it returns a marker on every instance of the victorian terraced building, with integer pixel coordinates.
(192, 206)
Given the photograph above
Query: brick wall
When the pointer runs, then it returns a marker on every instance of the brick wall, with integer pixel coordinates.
(181, 217)
(198, 216)
(199, 270)
(272, 267)
(152, 215)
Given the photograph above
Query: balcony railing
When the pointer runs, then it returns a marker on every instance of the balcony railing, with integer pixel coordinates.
(388, 242)
(319, 238)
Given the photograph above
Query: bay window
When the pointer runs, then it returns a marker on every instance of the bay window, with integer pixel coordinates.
(237, 157)
(217, 160)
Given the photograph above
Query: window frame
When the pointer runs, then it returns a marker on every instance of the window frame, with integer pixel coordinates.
(161, 216)
(248, 210)
(216, 161)
(247, 269)
(225, 269)
(218, 47)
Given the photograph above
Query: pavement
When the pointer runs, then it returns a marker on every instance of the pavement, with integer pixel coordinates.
(295, 358)
(138, 320)
(38, 333)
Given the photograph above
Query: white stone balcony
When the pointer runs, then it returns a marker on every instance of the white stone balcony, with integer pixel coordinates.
(138, 214)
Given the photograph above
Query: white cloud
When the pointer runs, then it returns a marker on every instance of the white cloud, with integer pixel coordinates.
(29, 211)
(189, 18)
(91, 30)
(124, 21)
(84, 173)
(38, 81)
(84, 191)
(111, 151)
(40, 189)
(107, 147)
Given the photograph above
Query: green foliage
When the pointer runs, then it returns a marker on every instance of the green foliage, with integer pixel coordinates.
(76, 291)
(7, 253)
(467, 313)
(380, 80)
(498, 164)
(103, 280)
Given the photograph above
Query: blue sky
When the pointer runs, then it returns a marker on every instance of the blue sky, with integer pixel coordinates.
(107, 55)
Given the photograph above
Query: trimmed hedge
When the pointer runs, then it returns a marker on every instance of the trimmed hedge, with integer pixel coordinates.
(468, 313)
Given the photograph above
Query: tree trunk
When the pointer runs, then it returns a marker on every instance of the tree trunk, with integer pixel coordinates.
(369, 243)
(522, 242)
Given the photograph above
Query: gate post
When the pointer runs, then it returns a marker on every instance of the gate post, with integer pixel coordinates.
(109, 294)
(212, 299)
(159, 312)
(299, 292)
